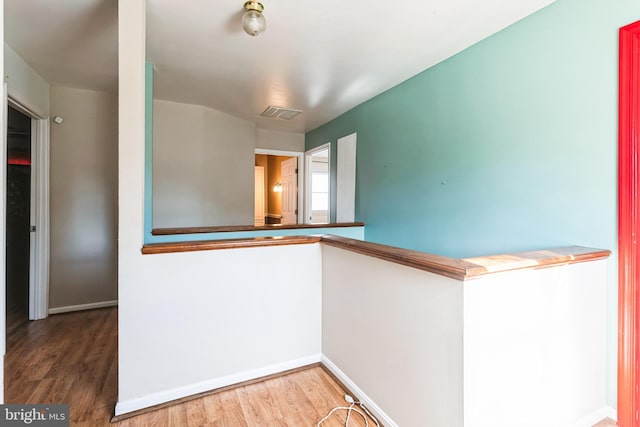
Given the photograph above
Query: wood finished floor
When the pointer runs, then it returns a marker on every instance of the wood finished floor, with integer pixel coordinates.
(72, 358)
(607, 422)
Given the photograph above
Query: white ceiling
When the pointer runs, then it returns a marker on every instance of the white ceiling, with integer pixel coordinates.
(322, 57)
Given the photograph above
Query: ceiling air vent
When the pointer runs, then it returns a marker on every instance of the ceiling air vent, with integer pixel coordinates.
(280, 113)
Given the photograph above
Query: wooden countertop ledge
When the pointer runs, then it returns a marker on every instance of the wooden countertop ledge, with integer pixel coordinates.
(460, 269)
(207, 245)
(470, 268)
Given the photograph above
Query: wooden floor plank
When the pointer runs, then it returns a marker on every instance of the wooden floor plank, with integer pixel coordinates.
(257, 405)
(72, 358)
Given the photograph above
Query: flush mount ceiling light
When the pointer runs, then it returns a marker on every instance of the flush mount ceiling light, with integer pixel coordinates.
(253, 21)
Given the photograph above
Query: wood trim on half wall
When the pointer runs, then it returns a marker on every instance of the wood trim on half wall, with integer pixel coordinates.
(628, 226)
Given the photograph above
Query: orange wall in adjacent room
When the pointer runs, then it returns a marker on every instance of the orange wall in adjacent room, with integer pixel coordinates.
(272, 169)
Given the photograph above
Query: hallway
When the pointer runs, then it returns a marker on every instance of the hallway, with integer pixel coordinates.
(65, 358)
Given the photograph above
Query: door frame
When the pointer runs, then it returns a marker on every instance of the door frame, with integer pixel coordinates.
(300, 157)
(629, 226)
(39, 248)
(307, 162)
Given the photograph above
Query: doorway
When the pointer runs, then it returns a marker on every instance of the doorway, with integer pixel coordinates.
(18, 213)
(279, 192)
(318, 179)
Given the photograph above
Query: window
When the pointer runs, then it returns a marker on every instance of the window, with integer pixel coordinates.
(319, 191)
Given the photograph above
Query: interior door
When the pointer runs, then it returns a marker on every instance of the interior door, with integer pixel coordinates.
(289, 180)
(32, 225)
(346, 179)
(629, 227)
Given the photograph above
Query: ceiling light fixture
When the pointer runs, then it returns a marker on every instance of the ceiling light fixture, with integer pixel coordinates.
(253, 21)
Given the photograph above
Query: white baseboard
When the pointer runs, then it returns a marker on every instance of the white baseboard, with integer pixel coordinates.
(131, 405)
(79, 307)
(359, 394)
(597, 416)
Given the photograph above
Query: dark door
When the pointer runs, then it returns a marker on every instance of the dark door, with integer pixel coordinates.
(18, 210)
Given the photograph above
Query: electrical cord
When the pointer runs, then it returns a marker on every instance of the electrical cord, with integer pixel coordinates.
(351, 408)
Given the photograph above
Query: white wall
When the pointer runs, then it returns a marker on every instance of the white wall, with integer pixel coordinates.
(25, 85)
(535, 347)
(396, 332)
(283, 141)
(202, 167)
(532, 342)
(203, 320)
(194, 321)
(131, 120)
(83, 193)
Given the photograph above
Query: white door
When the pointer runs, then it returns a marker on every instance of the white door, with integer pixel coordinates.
(32, 222)
(346, 177)
(289, 180)
(258, 220)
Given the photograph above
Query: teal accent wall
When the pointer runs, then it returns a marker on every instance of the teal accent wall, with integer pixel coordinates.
(509, 145)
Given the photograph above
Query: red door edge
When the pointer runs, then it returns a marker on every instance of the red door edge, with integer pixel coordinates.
(628, 226)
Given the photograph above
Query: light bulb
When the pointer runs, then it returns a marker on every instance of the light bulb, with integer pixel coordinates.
(254, 23)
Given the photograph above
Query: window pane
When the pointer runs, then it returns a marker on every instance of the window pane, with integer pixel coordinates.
(319, 182)
(319, 201)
